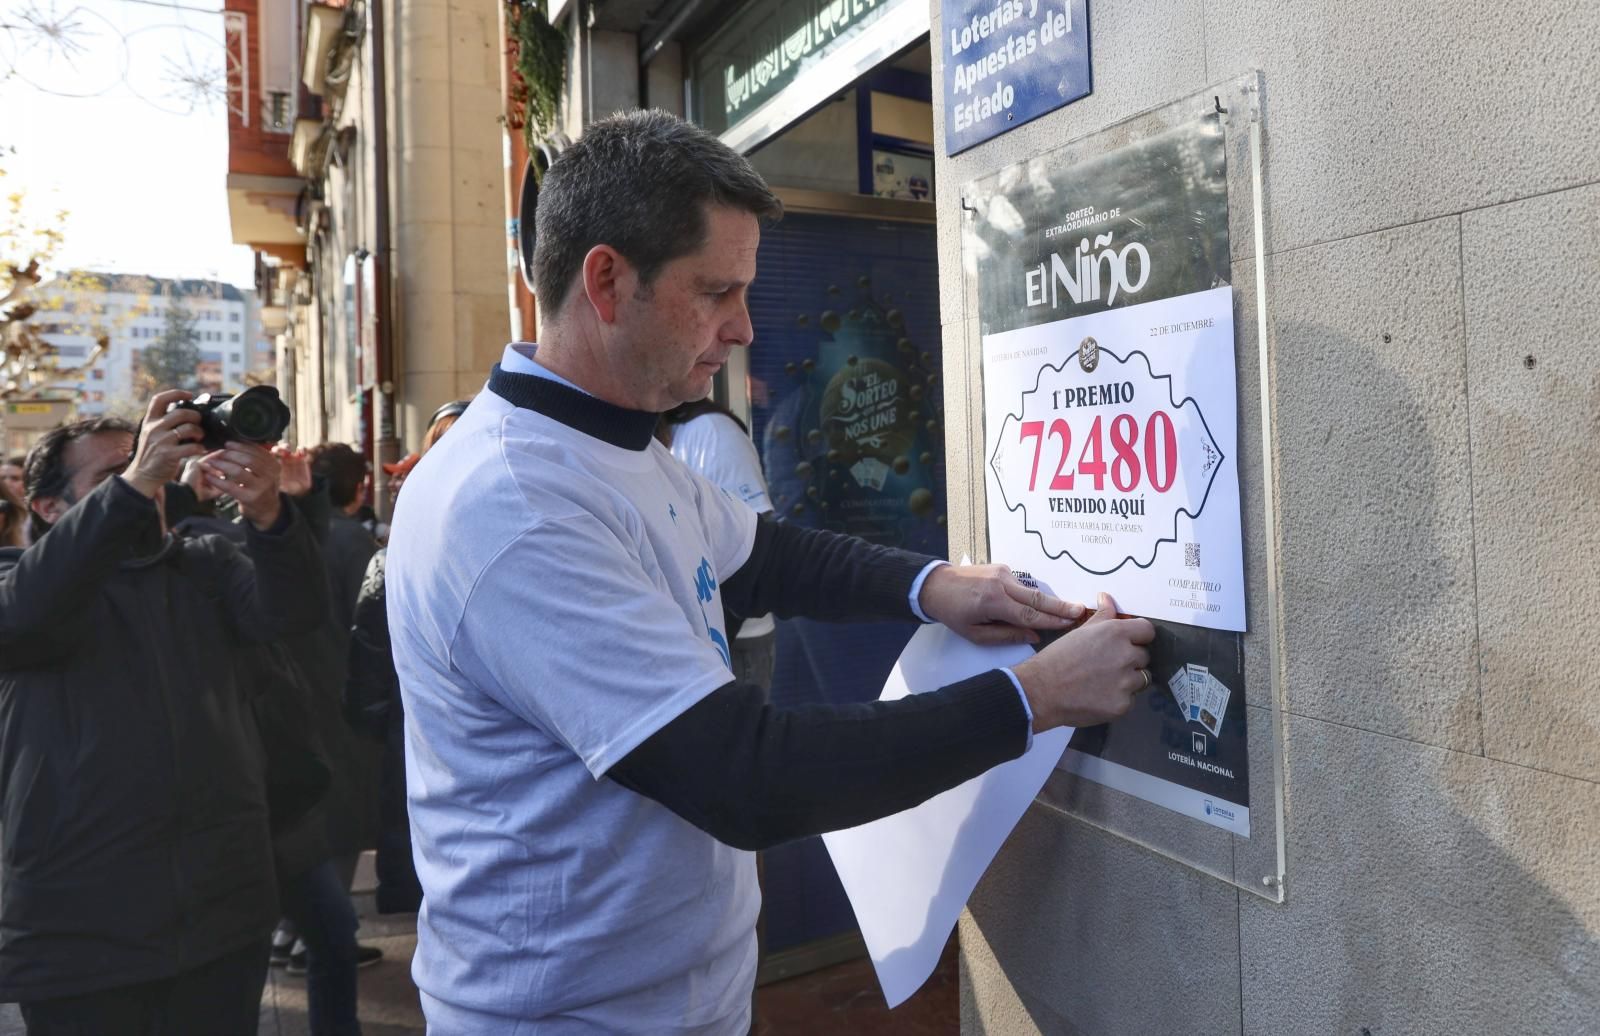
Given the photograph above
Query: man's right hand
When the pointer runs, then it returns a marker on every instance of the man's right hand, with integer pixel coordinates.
(165, 442)
(1092, 674)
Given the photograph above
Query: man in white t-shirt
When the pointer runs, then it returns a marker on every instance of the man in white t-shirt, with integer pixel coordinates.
(716, 444)
(586, 777)
(708, 438)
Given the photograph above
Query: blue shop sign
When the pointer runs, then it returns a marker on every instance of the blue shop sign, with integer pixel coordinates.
(1009, 62)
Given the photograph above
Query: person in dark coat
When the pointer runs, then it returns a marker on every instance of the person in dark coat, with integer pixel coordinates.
(137, 891)
(313, 888)
(372, 705)
(352, 810)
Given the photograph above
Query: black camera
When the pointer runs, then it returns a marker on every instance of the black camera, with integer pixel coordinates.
(258, 414)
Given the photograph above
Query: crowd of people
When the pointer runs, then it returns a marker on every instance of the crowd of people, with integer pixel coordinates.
(216, 689)
(199, 727)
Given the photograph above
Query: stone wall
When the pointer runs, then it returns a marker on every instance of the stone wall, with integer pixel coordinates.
(1433, 269)
(447, 168)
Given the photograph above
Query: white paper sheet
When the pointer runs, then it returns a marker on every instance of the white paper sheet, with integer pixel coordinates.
(909, 875)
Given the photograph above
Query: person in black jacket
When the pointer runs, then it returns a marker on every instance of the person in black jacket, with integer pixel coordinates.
(353, 806)
(137, 891)
(298, 693)
(372, 705)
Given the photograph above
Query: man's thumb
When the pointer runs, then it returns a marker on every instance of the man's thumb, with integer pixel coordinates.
(1105, 609)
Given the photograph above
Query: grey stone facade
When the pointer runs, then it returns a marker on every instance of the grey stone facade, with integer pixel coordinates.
(1433, 269)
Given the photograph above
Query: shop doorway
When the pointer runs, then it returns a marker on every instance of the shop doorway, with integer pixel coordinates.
(846, 406)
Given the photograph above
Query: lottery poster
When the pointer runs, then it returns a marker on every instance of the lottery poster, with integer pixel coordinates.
(1111, 436)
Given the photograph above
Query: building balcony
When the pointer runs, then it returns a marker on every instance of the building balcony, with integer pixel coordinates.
(323, 25)
(262, 210)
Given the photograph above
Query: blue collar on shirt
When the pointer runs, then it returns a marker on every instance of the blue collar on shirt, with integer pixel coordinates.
(619, 426)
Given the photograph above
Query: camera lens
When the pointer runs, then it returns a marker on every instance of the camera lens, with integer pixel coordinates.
(255, 415)
(252, 419)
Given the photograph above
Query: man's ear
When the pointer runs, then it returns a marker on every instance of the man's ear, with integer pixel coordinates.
(607, 279)
(49, 508)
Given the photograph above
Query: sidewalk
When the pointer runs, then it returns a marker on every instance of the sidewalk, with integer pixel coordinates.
(843, 1000)
(388, 1005)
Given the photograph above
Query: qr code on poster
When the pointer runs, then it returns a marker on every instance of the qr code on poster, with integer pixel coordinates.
(1191, 555)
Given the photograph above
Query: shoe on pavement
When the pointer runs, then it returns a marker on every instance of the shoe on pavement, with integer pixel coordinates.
(282, 946)
(366, 956)
(297, 959)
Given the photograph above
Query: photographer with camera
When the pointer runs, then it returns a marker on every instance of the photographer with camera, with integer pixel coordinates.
(299, 696)
(138, 890)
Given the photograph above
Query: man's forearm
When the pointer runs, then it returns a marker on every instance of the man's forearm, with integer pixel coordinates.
(818, 574)
(752, 775)
(58, 574)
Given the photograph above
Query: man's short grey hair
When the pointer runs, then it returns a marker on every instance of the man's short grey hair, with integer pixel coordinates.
(640, 182)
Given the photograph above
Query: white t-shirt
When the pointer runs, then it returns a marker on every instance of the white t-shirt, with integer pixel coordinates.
(553, 601)
(715, 446)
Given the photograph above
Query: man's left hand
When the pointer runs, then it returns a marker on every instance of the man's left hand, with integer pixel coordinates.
(249, 474)
(294, 476)
(987, 604)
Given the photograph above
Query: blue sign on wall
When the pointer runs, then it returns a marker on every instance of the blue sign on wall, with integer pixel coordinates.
(1008, 62)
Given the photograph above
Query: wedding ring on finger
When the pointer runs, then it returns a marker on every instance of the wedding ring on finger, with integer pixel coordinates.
(1145, 675)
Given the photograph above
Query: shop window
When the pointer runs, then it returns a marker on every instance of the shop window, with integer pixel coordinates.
(847, 413)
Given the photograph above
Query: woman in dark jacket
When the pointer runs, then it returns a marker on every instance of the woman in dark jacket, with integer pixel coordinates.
(372, 704)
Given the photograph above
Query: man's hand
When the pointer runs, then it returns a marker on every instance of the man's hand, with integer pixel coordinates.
(988, 605)
(1092, 674)
(294, 476)
(249, 474)
(165, 441)
(194, 477)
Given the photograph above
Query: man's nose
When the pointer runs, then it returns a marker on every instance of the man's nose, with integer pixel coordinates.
(739, 330)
